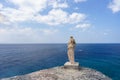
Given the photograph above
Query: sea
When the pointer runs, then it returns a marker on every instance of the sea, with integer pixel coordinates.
(20, 59)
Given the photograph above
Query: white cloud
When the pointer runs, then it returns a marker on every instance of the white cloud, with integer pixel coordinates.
(58, 16)
(17, 34)
(114, 6)
(33, 11)
(54, 17)
(83, 26)
(14, 15)
(58, 4)
(1, 18)
(1, 6)
(77, 1)
(27, 10)
(76, 17)
(30, 5)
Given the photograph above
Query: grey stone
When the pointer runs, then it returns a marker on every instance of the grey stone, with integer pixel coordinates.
(60, 73)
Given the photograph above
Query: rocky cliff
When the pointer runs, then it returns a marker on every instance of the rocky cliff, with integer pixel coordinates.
(59, 73)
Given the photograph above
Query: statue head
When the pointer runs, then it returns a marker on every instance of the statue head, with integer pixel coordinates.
(71, 36)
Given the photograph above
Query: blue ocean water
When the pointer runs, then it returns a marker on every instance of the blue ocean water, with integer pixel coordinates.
(19, 59)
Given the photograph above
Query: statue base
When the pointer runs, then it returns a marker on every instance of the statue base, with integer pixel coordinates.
(75, 66)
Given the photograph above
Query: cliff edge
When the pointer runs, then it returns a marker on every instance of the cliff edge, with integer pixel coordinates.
(60, 73)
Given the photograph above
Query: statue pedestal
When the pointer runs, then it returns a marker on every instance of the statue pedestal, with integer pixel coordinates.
(68, 65)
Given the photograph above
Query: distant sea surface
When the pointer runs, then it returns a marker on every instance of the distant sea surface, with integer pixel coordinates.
(20, 59)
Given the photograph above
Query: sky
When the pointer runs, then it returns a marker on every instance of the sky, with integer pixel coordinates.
(54, 21)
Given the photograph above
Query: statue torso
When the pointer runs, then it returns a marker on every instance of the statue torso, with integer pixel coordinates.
(71, 43)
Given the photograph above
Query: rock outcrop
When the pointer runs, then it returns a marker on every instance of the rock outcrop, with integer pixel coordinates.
(60, 73)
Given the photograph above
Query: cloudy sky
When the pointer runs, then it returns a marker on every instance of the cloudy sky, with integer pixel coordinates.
(54, 21)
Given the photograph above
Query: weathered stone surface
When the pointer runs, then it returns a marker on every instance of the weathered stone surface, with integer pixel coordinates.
(60, 73)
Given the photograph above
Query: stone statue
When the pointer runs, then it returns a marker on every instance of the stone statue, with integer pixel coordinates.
(71, 64)
(71, 46)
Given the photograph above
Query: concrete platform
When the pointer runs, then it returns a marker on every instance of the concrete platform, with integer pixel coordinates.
(68, 65)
